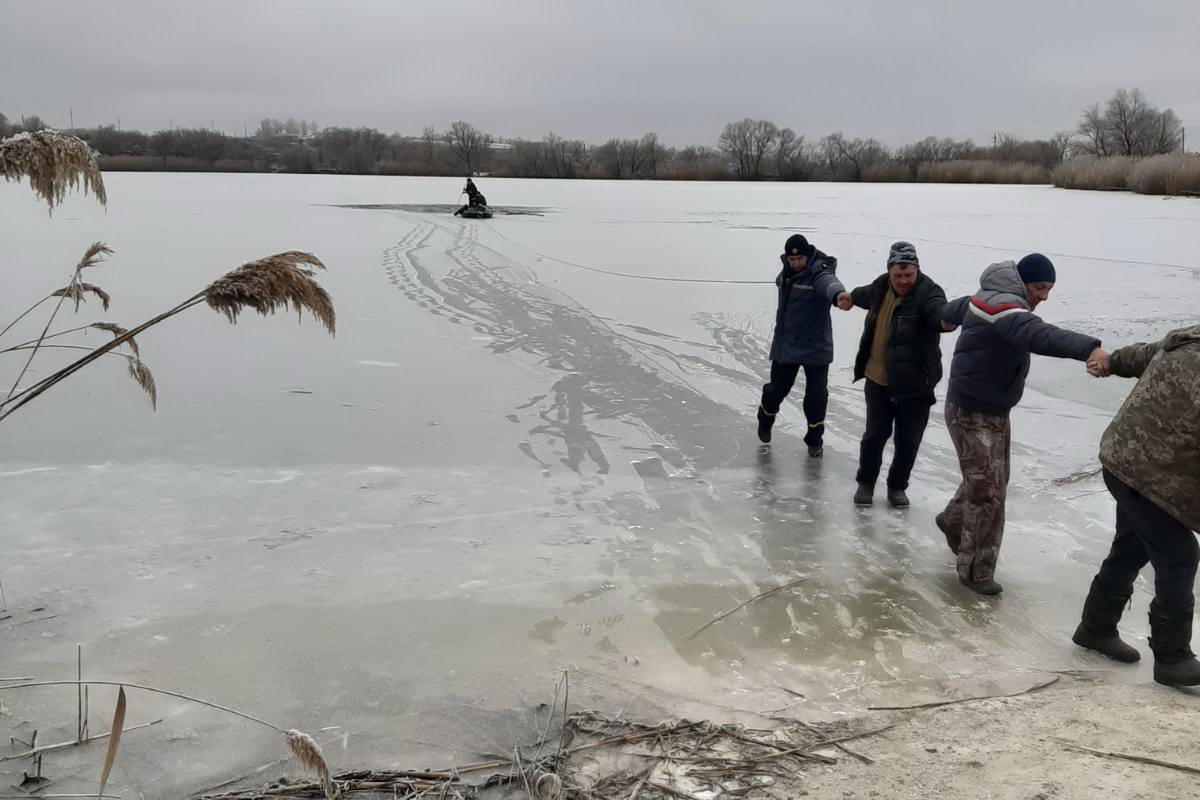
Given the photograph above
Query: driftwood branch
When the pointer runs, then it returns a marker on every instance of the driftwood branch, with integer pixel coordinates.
(45, 748)
(940, 703)
(1127, 757)
(740, 606)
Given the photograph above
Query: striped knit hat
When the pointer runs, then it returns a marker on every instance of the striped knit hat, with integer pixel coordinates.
(903, 253)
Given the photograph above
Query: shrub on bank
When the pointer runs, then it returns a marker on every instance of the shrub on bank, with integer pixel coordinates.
(981, 171)
(173, 164)
(1174, 173)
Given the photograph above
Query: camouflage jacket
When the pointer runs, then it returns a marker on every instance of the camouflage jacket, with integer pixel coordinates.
(1153, 444)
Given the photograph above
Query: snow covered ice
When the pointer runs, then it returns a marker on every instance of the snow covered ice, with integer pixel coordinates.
(529, 448)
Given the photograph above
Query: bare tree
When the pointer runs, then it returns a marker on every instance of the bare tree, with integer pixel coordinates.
(429, 144)
(648, 156)
(747, 144)
(1131, 121)
(1094, 133)
(568, 157)
(1128, 126)
(1166, 134)
(468, 145)
(792, 157)
(847, 159)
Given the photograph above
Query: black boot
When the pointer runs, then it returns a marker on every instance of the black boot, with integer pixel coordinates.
(1098, 628)
(1170, 638)
(897, 498)
(1112, 646)
(765, 421)
(864, 495)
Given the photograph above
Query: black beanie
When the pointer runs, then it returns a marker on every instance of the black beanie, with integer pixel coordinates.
(1035, 268)
(797, 245)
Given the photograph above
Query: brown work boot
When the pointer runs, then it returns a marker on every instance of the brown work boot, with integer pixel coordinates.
(987, 586)
(944, 526)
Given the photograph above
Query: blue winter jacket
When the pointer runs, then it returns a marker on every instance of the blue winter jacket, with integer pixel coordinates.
(803, 330)
(999, 332)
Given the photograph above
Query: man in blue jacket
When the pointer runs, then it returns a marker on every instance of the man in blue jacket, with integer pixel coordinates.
(987, 379)
(803, 337)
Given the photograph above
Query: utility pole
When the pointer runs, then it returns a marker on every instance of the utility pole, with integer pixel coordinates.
(118, 122)
(71, 115)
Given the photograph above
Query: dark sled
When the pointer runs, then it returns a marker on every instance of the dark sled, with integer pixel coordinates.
(477, 212)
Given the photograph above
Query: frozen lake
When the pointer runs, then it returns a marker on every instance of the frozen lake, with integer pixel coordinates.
(529, 448)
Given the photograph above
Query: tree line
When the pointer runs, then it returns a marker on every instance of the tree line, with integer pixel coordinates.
(750, 149)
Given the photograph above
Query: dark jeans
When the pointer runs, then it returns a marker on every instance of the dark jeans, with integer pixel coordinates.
(908, 418)
(1146, 533)
(816, 396)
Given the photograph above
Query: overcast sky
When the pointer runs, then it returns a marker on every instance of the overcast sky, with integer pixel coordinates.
(897, 70)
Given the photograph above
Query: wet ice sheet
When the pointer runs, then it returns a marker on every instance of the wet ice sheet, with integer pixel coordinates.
(529, 448)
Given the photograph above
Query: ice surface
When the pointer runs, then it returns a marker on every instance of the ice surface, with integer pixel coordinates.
(529, 448)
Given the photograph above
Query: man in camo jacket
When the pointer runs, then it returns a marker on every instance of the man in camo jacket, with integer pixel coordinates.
(1151, 459)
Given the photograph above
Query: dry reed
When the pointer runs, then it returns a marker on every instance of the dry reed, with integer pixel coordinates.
(54, 163)
(269, 283)
(1171, 174)
(280, 280)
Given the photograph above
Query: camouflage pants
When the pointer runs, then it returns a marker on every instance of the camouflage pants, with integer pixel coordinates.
(976, 513)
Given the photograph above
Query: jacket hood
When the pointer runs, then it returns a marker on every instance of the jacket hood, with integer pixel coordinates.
(817, 261)
(1180, 337)
(1001, 284)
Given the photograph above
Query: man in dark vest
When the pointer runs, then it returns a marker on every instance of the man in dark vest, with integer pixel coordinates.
(803, 338)
(900, 358)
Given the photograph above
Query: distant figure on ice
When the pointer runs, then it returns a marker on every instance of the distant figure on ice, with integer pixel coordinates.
(1151, 464)
(987, 379)
(803, 338)
(900, 357)
(475, 199)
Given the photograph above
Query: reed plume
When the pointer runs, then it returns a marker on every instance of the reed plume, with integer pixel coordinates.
(269, 283)
(54, 163)
(308, 753)
(117, 330)
(75, 291)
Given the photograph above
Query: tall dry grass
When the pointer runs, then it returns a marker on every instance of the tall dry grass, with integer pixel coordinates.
(1170, 174)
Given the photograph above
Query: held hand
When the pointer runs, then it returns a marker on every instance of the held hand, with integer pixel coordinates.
(1098, 364)
(844, 302)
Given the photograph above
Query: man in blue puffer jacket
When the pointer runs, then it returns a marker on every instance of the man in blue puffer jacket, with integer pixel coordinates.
(987, 379)
(803, 338)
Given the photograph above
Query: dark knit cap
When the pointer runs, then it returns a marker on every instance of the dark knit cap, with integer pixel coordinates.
(797, 245)
(903, 253)
(1035, 268)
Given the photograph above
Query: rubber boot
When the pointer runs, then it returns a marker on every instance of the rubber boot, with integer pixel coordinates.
(1170, 638)
(1098, 627)
(897, 498)
(864, 495)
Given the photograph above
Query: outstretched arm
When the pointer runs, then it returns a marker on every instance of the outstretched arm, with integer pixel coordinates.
(931, 314)
(1030, 332)
(1131, 360)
